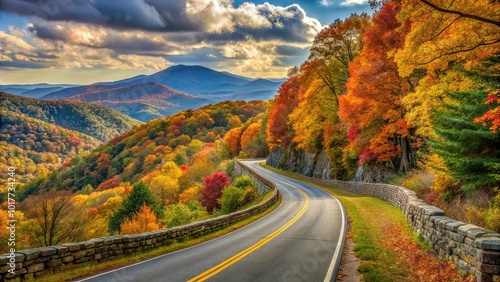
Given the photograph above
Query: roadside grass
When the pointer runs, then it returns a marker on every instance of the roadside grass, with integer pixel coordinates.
(91, 268)
(385, 243)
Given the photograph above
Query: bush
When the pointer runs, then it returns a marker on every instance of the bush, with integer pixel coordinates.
(231, 199)
(243, 182)
(249, 195)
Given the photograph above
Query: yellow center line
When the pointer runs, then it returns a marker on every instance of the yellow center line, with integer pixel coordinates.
(232, 260)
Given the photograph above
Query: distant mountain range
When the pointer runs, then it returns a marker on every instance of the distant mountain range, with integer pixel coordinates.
(33, 90)
(146, 97)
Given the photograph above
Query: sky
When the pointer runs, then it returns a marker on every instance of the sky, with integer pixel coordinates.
(87, 41)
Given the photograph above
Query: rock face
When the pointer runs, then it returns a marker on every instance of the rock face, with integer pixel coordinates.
(305, 163)
(320, 166)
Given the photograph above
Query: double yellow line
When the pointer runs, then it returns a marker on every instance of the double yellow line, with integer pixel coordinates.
(232, 260)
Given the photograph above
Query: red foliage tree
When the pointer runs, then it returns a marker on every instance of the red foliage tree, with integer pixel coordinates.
(212, 190)
(279, 130)
(374, 92)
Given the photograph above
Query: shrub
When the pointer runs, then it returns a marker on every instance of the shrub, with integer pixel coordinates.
(243, 182)
(231, 199)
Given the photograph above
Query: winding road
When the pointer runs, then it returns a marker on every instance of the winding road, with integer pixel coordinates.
(301, 240)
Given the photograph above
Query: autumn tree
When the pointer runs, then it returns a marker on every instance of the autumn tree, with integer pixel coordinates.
(334, 48)
(165, 188)
(232, 141)
(144, 220)
(139, 196)
(372, 107)
(53, 214)
(212, 190)
(250, 135)
(279, 129)
(492, 117)
(459, 31)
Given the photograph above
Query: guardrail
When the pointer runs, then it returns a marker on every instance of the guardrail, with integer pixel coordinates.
(40, 261)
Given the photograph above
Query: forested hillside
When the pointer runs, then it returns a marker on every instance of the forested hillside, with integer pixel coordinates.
(132, 155)
(165, 172)
(393, 99)
(35, 147)
(97, 121)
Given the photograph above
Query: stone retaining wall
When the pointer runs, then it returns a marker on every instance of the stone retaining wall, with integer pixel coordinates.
(261, 184)
(474, 249)
(39, 261)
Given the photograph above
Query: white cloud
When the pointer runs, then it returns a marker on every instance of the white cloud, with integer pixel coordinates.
(326, 2)
(353, 2)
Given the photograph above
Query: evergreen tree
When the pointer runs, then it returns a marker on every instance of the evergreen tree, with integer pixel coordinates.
(471, 152)
(139, 196)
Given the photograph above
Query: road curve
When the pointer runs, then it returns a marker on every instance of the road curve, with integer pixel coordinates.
(302, 240)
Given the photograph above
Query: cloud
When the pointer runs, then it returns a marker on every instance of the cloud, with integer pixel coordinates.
(353, 2)
(326, 3)
(19, 50)
(143, 33)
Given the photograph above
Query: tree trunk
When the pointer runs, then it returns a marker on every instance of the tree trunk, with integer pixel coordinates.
(407, 162)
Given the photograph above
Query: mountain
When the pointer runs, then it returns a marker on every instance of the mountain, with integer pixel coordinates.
(40, 92)
(145, 148)
(142, 101)
(72, 91)
(193, 80)
(97, 121)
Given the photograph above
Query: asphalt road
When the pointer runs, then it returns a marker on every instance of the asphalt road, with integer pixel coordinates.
(301, 240)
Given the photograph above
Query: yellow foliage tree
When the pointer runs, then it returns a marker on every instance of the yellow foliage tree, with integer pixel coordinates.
(429, 96)
(447, 31)
(165, 188)
(144, 220)
(171, 169)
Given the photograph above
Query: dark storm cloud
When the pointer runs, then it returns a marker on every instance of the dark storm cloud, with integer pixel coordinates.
(285, 50)
(135, 14)
(282, 23)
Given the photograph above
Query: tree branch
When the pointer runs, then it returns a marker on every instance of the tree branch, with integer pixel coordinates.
(470, 16)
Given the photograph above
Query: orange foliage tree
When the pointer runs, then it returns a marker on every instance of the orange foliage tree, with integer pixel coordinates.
(279, 129)
(144, 220)
(232, 141)
(372, 107)
(492, 116)
(250, 134)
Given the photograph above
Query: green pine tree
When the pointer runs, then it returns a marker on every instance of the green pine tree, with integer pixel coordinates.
(139, 196)
(471, 151)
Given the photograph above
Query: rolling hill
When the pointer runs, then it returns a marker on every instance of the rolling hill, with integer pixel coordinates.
(142, 101)
(94, 120)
